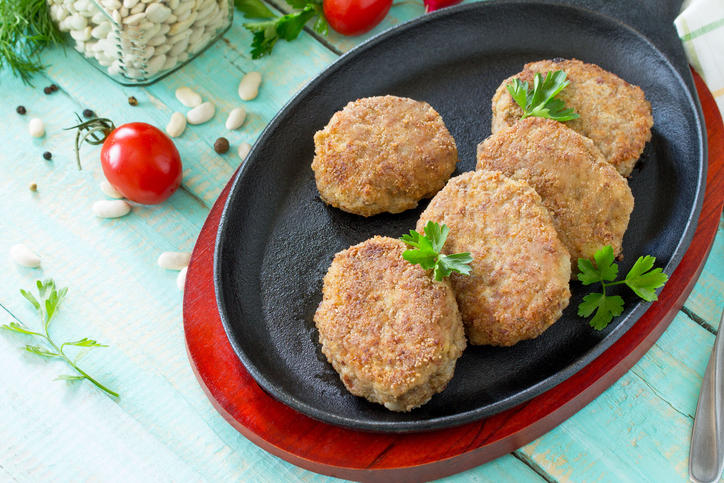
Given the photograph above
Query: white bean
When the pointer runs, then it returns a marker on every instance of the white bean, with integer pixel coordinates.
(78, 22)
(181, 279)
(201, 113)
(134, 18)
(108, 189)
(111, 208)
(174, 260)
(129, 4)
(249, 86)
(188, 97)
(157, 13)
(81, 35)
(138, 9)
(176, 125)
(36, 127)
(244, 149)
(24, 256)
(236, 118)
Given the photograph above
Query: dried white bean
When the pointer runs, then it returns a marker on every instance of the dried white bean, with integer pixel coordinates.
(155, 64)
(81, 35)
(164, 29)
(183, 16)
(244, 149)
(171, 19)
(171, 60)
(172, 4)
(78, 22)
(174, 260)
(176, 125)
(129, 4)
(24, 256)
(36, 127)
(183, 56)
(181, 279)
(108, 189)
(157, 13)
(123, 11)
(138, 9)
(116, 17)
(162, 49)
(201, 113)
(249, 86)
(188, 97)
(101, 31)
(98, 18)
(111, 208)
(111, 4)
(236, 118)
(184, 7)
(156, 40)
(178, 48)
(196, 34)
(178, 38)
(134, 18)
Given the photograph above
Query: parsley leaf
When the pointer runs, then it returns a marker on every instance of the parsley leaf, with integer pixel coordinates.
(427, 250)
(540, 101)
(287, 27)
(641, 279)
(47, 304)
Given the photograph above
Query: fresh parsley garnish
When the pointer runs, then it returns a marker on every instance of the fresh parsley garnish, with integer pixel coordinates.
(427, 252)
(48, 307)
(286, 27)
(643, 279)
(541, 101)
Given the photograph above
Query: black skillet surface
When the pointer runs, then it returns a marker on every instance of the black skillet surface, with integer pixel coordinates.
(277, 238)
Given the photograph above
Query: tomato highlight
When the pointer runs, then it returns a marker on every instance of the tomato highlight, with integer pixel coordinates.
(355, 17)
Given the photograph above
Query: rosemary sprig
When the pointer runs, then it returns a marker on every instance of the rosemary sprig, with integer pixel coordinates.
(47, 307)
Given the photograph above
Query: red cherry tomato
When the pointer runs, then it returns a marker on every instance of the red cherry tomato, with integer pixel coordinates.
(354, 17)
(142, 163)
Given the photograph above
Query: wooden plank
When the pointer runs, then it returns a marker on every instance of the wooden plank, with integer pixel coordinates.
(647, 412)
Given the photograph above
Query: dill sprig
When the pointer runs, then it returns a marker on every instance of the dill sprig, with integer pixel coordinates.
(26, 28)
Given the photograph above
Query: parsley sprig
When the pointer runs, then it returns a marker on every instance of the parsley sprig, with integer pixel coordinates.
(641, 279)
(540, 101)
(427, 252)
(287, 27)
(48, 307)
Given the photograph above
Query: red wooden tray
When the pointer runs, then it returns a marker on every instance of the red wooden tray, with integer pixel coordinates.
(363, 456)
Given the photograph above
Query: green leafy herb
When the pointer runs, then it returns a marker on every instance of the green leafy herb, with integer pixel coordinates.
(47, 304)
(25, 30)
(427, 252)
(541, 101)
(287, 27)
(643, 279)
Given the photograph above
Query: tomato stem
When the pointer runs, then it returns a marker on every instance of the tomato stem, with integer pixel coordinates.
(93, 127)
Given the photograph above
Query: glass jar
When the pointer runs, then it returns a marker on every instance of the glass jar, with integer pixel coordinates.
(137, 42)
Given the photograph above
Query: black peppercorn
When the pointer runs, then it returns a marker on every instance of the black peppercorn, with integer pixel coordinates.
(53, 87)
(88, 113)
(48, 90)
(21, 110)
(221, 145)
(133, 101)
(47, 155)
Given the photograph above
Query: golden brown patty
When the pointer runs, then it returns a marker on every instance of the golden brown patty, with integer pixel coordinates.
(518, 285)
(590, 203)
(391, 332)
(615, 115)
(383, 154)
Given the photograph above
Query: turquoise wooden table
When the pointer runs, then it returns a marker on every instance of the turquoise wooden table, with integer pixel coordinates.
(163, 427)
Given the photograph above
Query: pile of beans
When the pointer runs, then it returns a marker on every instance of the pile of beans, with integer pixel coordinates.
(140, 39)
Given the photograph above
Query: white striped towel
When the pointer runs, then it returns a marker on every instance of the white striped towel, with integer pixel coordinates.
(701, 29)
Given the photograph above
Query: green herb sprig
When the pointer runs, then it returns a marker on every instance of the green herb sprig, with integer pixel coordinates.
(540, 101)
(25, 30)
(643, 279)
(287, 27)
(427, 252)
(48, 307)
